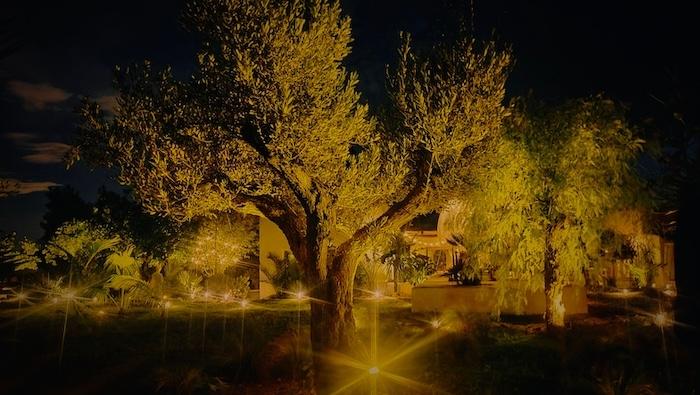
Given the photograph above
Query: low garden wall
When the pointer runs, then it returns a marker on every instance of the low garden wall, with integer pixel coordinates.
(404, 289)
(481, 299)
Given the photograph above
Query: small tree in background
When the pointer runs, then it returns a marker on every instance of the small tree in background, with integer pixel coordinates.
(64, 204)
(153, 237)
(77, 245)
(218, 247)
(629, 237)
(543, 198)
(285, 274)
(19, 257)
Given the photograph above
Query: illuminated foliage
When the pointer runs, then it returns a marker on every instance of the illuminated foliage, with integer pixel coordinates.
(270, 123)
(22, 255)
(629, 238)
(406, 265)
(190, 283)
(79, 243)
(285, 275)
(126, 277)
(214, 245)
(543, 198)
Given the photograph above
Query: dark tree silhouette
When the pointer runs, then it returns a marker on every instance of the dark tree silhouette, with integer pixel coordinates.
(64, 204)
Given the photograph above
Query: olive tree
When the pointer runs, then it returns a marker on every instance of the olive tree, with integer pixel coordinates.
(271, 123)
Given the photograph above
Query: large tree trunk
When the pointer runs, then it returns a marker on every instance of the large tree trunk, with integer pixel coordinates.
(553, 290)
(331, 278)
(332, 328)
(330, 282)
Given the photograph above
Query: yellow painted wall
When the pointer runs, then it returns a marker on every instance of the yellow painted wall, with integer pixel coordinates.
(272, 241)
(481, 299)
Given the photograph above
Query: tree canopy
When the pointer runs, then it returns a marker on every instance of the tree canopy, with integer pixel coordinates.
(542, 201)
(271, 123)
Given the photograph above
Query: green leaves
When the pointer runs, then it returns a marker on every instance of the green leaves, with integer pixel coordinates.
(79, 242)
(450, 104)
(551, 182)
(24, 255)
(123, 262)
(271, 122)
(213, 245)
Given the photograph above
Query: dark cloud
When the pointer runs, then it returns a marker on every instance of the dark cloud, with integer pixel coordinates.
(11, 186)
(108, 103)
(44, 153)
(37, 96)
(47, 152)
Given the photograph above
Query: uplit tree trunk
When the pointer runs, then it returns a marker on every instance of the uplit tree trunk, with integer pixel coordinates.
(553, 289)
(332, 325)
(332, 328)
(330, 274)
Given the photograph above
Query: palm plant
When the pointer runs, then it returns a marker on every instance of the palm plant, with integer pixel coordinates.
(190, 282)
(286, 273)
(79, 242)
(126, 277)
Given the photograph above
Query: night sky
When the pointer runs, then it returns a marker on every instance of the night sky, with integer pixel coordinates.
(635, 53)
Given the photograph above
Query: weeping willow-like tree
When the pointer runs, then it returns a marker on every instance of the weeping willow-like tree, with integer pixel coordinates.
(270, 123)
(543, 198)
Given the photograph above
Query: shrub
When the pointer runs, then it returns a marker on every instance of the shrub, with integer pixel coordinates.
(415, 269)
(286, 275)
(465, 273)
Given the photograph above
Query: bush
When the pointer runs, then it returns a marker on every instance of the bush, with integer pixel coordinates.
(415, 269)
(465, 273)
(286, 275)
(235, 287)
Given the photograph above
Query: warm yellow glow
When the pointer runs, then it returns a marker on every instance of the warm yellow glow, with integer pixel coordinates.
(206, 294)
(300, 295)
(69, 295)
(101, 312)
(378, 294)
(21, 296)
(435, 323)
(660, 319)
(244, 303)
(167, 305)
(373, 370)
(669, 291)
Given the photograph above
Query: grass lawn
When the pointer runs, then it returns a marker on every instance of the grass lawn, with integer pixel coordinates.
(610, 351)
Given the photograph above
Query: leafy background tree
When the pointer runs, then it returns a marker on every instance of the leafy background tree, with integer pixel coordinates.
(543, 198)
(221, 251)
(405, 264)
(64, 204)
(153, 237)
(285, 275)
(77, 246)
(19, 256)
